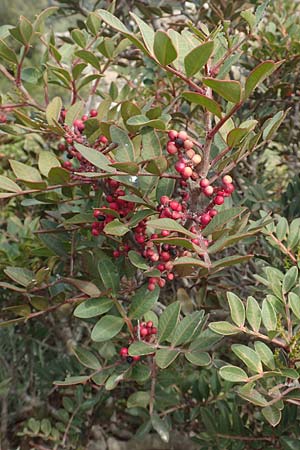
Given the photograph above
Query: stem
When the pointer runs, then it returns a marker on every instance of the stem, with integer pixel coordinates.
(152, 389)
(224, 119)
(220, 156)
(245, 438)
(204, 167)
(283, 248)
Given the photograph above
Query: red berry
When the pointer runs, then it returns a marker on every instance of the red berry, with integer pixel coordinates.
(171, 148)
(93, 113)
(84, 118)
(61, 147)
(149, 324)
(229, 188)
(116, 253)
(123, 352)
(170, 276)
(164, 200)
(95, 232)
(165, 233)
(136, 358)
(161, 282)
(154, 330)
(103, 140)
(205, 219)
(67, 165)
(172, 134)
(208, 191)
(151, 286)
(175, 205)
(204, 183)
(143, 332)
(140, 239)
(219, 200)
(180, 166)
(78, 124)
(165, 256)
(213, 212)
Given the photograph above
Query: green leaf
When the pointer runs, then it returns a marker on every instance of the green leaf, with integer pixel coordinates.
(294, 304)
(206, 102)
(235, 136)
(26, 29)
(258, 75)
(24, 172)
(87, 287)
(146, 31)
(234, 374)
(142, 301)
(58, 175)
(248, 356)
(230, 90)
(160, 427)
(138, 399)
(95, 157)
(20, 275)
(170, 225)
(128, 167)
(164, 49)
(137, 260)
(268, 315)
(168, 321)
(140, 348)
(93, 307)
(7, 53)
(249, 17)
(237, 309)
(218, 222)
(125, 150)
(87, 358)
(290, 279)
(40, 18)
(46, 162)
(116, 228)
(70, 381)
(224, 328)
(78, 37)
(272, 415)
(253, 313)
(265, 354)
(271, 125)
(187, 328)
(197, 58)
(142, 121)
(198, 358)
(109, 274)
(89, 57)
(151, 147)
(93, 23)
(164, 357)
(53, 111)
(106, 328)
(73, 112)
(282, 228)
(8, 185)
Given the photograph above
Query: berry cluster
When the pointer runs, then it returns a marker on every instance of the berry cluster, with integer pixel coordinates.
(144, 332)
(181, 146)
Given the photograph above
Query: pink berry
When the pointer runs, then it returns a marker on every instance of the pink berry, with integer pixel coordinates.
(143, 332)
(93, 113)
(103, 140)
(149, 324)
(151, 286)
(124, 351)
(172, 134)
(205, 219)
(188, 144)
(227, 179)
(171, 148)
(213, 212)
(165, 233)
(182, 135)
(84, 118)
(180, 166)
(208, 191)
(170, 276)
(164, 200)
(219, 200)
(204, 183)
(187, 172)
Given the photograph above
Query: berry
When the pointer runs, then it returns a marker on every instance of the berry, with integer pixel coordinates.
(129, 359)
(78, 124)
(67, 165)
(154, 330)
(182, 135)
(213, 212)
(227, 179)
(196, 159)
(103, 140)
(136, 358)
(151, 286)
(187, 172)
(205, 219)
(179, 142)
(204, 183)
(219, 200)
(188, 144)
(149, 324)
(175, 205)
(143, 332)
(191, 153)
(93, 113)
(180, 166)
(164, 200)
(208, 191)
(172, 135)
(229, 188)
(124, 351)
(171, 148)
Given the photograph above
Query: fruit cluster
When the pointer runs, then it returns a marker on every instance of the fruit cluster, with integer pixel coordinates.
(145, 331)
(180, 145)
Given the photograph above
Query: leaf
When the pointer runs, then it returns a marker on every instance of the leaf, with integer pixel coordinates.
(258, 75)
(272, 415)
(141, 121)
(198, 358)
(87, 358)
(78, 37)
(140, 348)
(271, 125)
(137, 260)
(265, 354)
(222, 218)
(125, 150)
(142, 301)
(164, 357)
(89, 57)
(160, 427)
(116, 228)
(253, 313)
(106, 328)
(235, 136)
(268, 315)
(47, 161)
(197, 58)
(163, 48)
(128, 167)
(53, 111)
(109, 274)
(151, 147)
(70, 381)
(230, 90)
(248, 356)
(8, 185)
(249, 17)
(20, 275)
(187, 328)
(224, 328)
(95, 157)
(170, 225)
(290, 279)
(168, 321)
(93, 307)
(73, 112)
(294, 304)
(87, 287)
(138, 399)
(206, 102)
(40, 18)
(24, 172)
(237, 309)
(7, 53)
(233, 374)
(146, 31)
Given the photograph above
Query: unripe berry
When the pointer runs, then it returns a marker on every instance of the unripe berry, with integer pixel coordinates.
(204, 183)
(188, 144)
(182, 135)
(219, 200)
(180, 166)
(172, 135)
(191, 153)
(205, 219)
(187, 172)
(227, 179)
(196, 159)
(171, 148)
(208, 191)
